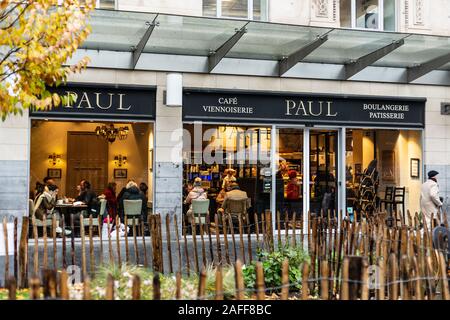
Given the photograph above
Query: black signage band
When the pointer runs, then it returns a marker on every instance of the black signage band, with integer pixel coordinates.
(290, 108)
(103, 102)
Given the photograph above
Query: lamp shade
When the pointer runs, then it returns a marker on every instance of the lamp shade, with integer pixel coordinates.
(174, 94)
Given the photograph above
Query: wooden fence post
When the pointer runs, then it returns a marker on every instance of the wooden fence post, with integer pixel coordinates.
(393, 279)
(345, 280)
(16, 275)
(50, 284)
(285, 280)
(55, 263)
(260, 285)
(44, 236)
(83, 247)
(63, 289)
(201, 285)
(178, 286)
(109, 294)
(23, 252)
(324, 289)
(12, 288)
(87, 288)
(5, 236)
(239, 280)
(444, 280)
(204, 260)
(219, 284)
(381, 278)
(156, 287)
(136, 288)
(119, 257)
(35, 286)
(365, 279)
(305, 277)
(91, 246)
(177, 234)
(135, 245)
(36, 247)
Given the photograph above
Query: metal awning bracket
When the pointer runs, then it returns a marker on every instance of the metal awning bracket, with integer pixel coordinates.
(137, 50)
(217, 55)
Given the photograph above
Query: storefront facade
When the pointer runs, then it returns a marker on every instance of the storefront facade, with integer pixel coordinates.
(355, 120)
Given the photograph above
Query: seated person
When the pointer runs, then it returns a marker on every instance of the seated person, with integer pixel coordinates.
(45, 205)
(235, 193)
(88, 197)
(229, 177)
(221, 196)
(197, 193)
(132, 192)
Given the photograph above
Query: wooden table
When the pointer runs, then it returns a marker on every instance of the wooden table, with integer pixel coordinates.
(69, 208)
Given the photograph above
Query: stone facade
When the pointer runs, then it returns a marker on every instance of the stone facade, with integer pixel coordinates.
(415, 16)
(14, 133)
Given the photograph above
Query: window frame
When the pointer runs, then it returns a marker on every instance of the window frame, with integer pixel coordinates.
(250, 15)
(380, 18)
(97, 4)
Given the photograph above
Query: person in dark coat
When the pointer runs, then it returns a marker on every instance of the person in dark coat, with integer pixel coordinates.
(88, 196)
(132, 192)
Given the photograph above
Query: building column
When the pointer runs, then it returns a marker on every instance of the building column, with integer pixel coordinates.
(14, 153)
(168, 160)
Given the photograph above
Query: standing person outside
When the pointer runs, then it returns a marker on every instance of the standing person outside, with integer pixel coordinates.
(430, 202)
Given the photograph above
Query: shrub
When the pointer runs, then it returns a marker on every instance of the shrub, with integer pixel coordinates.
(272, 266)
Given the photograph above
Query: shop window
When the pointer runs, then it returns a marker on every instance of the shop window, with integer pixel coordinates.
(368, 14)
(103, 153)
(378, 171)
(106, 4)
(218, 160)
(236, 9)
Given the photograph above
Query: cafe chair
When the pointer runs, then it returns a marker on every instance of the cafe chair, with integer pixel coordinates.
(200, 209)
(399, 199)
(95, 222)
(133, 211)
(39, 223)
(236, 208)
(388, 198)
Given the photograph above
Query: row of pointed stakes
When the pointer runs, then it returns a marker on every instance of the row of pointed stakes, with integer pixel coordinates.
(415, 272)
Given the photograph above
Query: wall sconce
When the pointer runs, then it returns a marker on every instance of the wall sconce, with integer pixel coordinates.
(54, 158)
(120, 160)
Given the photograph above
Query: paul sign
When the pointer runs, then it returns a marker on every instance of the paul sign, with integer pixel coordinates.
(308, 109)
(103, 102)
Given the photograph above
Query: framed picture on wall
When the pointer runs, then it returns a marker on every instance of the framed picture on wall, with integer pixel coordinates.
(54, 173)
(415, 168)
(388, 165)
(120, 173)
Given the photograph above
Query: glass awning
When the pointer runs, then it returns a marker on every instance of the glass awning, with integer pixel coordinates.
(279, 49)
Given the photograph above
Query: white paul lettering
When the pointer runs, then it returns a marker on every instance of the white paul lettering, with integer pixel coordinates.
(121, 103)
(97, 100)
(309, 108)
(85, 99)
(103, 101)
(68, 102)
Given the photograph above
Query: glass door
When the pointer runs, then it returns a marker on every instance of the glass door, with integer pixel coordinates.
(289, 175)
(323, 172)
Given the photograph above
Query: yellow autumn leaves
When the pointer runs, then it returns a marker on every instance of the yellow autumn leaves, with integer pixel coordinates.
(37, 37)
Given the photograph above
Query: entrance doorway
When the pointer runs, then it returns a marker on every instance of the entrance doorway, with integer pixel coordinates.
(87, 158)
(323, 171)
